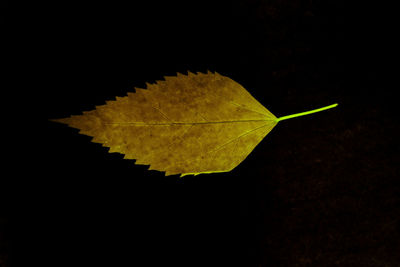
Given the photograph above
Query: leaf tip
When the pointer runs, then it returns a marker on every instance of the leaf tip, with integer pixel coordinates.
(62, 120)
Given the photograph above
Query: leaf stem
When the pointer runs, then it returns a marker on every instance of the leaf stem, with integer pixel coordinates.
(305, 113)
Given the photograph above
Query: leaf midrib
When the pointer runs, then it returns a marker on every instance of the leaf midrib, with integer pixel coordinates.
(182, 123)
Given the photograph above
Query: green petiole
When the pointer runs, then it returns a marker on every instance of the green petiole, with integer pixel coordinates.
(305, 113)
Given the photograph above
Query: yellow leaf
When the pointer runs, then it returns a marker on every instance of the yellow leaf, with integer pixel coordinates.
(187, 124)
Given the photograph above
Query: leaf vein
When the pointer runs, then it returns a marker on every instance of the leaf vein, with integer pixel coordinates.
(181, 123)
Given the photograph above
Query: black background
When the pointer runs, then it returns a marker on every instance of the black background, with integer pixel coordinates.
(321, 190)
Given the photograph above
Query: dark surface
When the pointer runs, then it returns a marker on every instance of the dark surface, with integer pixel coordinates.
(321, 190)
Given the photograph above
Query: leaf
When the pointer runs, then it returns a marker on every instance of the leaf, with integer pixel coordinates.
(187, 124)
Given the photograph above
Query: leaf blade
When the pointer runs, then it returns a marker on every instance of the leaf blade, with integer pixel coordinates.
(188, 124)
